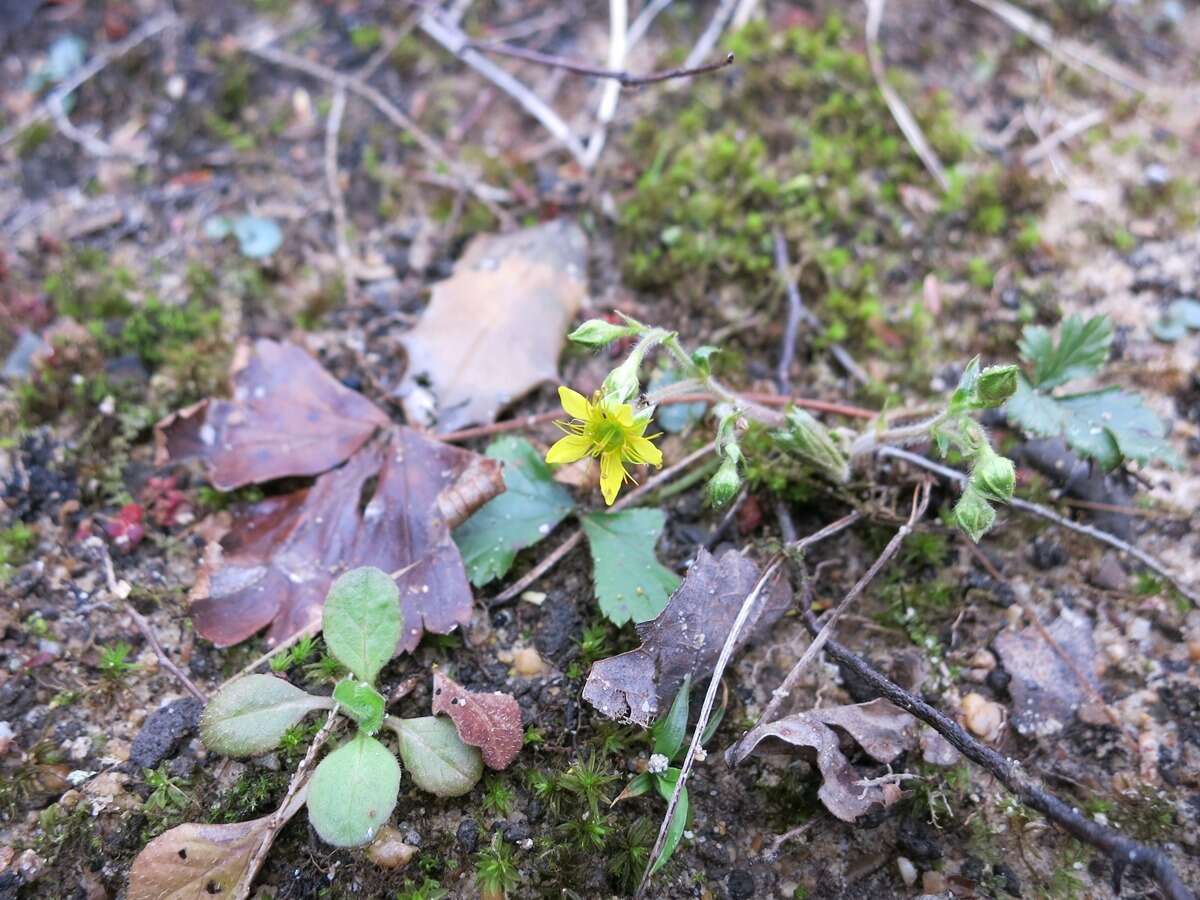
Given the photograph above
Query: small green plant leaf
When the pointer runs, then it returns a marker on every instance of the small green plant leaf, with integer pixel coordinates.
(714, 722)
(353, 792)
(639, 785)
(363, 621)
(531, 505)
(666, 786)
(250, 715)
(437, 758)
(630, 581)
(1179, 317)
(1035, 412)
(361, 702)
(1081, 350)
(1111, 425)
(670, 730)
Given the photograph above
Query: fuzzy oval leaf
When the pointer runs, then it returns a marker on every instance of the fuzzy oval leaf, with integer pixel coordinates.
(363, 621)
(353, 792)
(437, 758)
(361, 702)
(250, 715)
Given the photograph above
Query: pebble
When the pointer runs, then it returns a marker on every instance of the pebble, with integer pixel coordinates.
(468, 835)
(389, 851)
(933, 882)
(527, 663)
(908, 872)
(1194, 650)
(983, 717)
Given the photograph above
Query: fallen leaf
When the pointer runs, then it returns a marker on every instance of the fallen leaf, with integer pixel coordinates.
(881, 729)
(391, 506)
(630, 581)
(288, 417)
(491, 722)
(1046, 693)
(494, 329)
(686, 638)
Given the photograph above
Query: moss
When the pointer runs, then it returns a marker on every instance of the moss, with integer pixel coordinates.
(365, 37)
(15, 544)
(29, 140)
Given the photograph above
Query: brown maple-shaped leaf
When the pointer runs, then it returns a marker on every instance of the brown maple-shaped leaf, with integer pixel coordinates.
(287, 417)
(495, 328)
(686, 638)
(392, 506)
(491, 722)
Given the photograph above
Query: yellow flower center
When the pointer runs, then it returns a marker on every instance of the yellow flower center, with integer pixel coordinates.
(608, 436)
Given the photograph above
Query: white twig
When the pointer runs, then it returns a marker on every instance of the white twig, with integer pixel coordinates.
(618, 39)
(642, 23)
(1050, 515)
(711, 34)
(333, 128)
(900, 112)
(456, 41)
(1062, 134)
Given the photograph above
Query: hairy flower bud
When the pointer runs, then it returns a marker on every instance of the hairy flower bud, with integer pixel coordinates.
(994, 386)
(974, 514)
(724, 485)
(993, 476)
(599, 333)
(622, 383)
(808, 439)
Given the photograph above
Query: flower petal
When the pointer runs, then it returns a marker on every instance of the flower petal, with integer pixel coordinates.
(612, 474)
(639, 449)
(569, 449)
(574, 403)
(623, 413)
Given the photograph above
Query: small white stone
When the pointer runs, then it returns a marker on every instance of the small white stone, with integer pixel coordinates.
(908, 872)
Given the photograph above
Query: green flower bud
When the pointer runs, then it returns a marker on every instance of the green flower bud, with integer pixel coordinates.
(974, 514)
(724, 485)
(599, 333)
(622, 382)
(808, 439)
(994, 386)
(994, 476)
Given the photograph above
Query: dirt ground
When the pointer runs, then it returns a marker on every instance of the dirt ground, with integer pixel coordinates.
(1044, 220)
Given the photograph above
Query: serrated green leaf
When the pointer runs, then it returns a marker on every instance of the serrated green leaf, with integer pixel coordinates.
(363, 621)
(250, 715)
(670, 730)
(666, 787)
(353, 792)
(531, 505)
(361, 702)
(1110, 425)
(437, 758)
(1081, 350)
(1035, 412)
(631, 584)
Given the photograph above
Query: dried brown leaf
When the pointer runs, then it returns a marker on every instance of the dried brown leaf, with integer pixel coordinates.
(383, 508)
(196, 862)
(685, 639)
(288, 417)
(491, 722)
(495, 328)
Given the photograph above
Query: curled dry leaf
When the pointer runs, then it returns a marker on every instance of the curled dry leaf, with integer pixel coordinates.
(685, 639)
(1046, 691)
(491, 722)
(288, 417)
(881, 729)
(494, 329)
(391, 505)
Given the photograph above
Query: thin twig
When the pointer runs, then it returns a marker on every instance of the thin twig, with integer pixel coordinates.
(552, 558)
(1050, 515)
(920, 503)
(625, 79)
(797, 313)
(1123, 851)
(1061, 135)
(333, 128)
(769, 573)
(618, 47)
(772, 852)
(53, 103)
(900, 112)
(121, 590)
(291, 803)
(708, 39)
(310, 630)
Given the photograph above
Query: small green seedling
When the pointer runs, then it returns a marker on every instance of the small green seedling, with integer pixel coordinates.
(660, 776)
(114, 661)
(353, 790)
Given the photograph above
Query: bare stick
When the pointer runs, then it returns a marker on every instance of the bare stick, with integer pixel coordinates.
(1050, 515)
(797, 313)
(618, 47)
(552, 559)
(644, 20)
(53, 105)
(768, 575)
(708, 39)
(920, 503)
(292, 801)
(900, 112)
(772, 852)
(454, 40)
(1123, 851)
(1060, 136)
(333, 128)
(625, 79)
(121, 590)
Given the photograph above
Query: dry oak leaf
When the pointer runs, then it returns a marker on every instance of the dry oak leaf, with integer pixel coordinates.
(491, 722)
(881, 729)
(493, 331)
(288, 417)
(686, 637)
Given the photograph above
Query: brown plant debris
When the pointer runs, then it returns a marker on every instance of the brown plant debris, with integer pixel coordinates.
(489, 721)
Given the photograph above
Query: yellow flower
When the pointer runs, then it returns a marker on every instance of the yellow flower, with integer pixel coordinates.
(606, 429)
